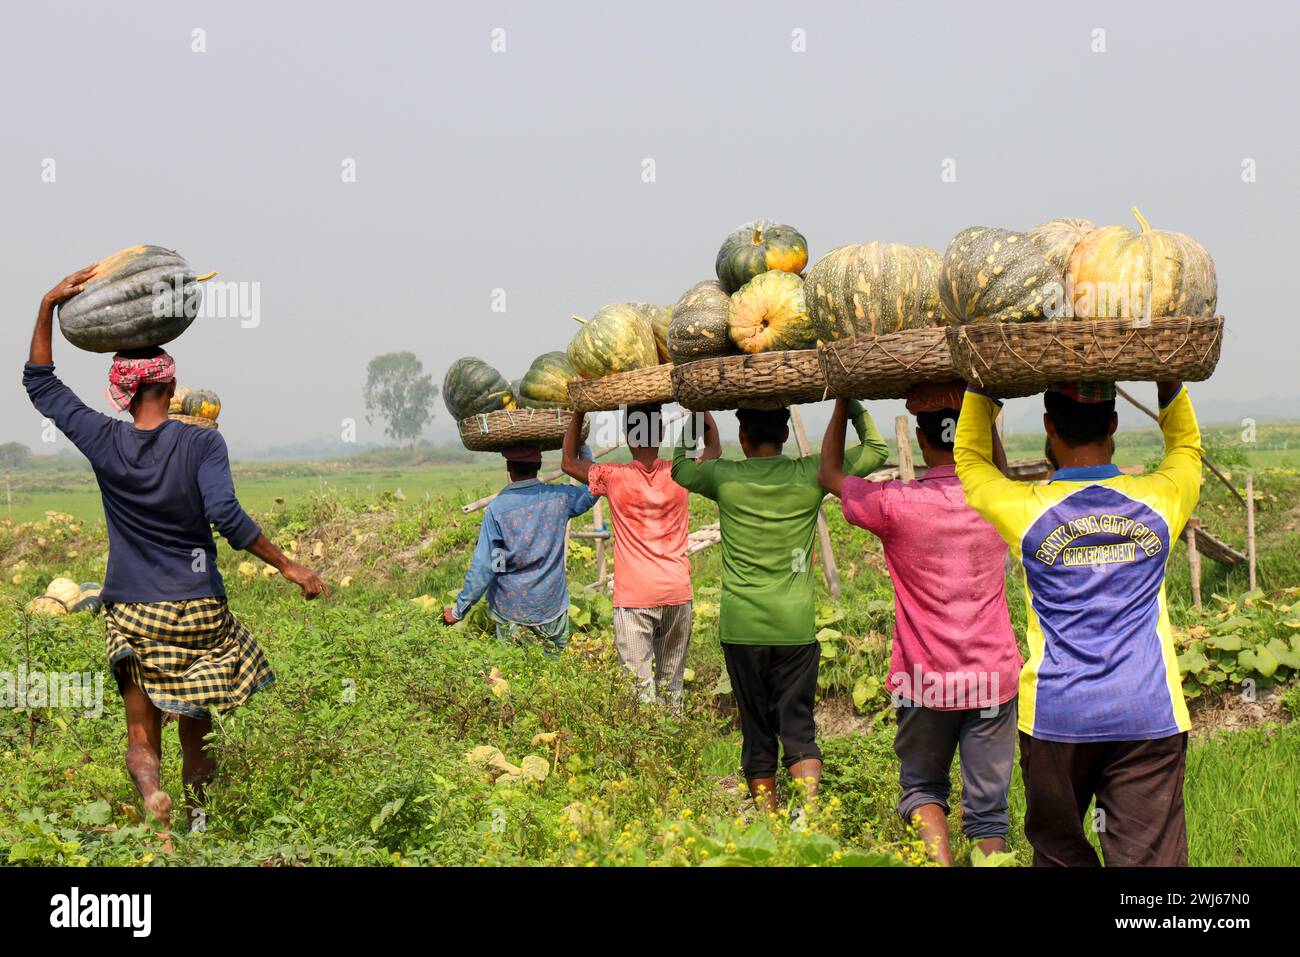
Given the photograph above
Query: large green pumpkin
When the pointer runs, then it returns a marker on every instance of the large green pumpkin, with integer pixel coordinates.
(141, 296)
(757, 247)
(472, 386)
(1057, 239)
(546, 383)
(996, 275)
(1115, 269)
(769, 314)
(698, 329)
(870, 289)
(618, 338)
(659, 317)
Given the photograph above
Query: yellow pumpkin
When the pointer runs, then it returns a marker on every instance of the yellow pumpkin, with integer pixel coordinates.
(769, 314)
(1116, 273)
(178, 399)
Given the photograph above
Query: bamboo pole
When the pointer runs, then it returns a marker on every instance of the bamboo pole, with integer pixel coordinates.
(1250, 527)
(906, 467)
(829, 568)
(1193, 561)
(1204, 458)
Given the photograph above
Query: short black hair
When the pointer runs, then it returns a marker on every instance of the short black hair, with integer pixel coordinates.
(763, 426)
(940, 427)
(645, 422)
(523, 469)
(1079, 423)
(151, 390)
(144, 352)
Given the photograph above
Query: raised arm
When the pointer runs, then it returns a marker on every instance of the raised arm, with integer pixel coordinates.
(999, 499)
(573, 466)
(695, 473)
(1182, 462)
(42, 350)
(830, 470)
(712, 440)
(871, 451)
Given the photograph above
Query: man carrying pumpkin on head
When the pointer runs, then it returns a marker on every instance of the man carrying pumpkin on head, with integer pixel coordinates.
(955, 663)
(652, 575)
(768, 507)
(1102, 713)
(519, 559)
(173, 645)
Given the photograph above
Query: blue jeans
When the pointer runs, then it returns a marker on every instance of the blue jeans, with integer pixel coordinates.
(552, 635)
(925, 744)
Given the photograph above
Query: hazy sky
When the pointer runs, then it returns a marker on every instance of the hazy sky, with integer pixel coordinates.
(523, 170)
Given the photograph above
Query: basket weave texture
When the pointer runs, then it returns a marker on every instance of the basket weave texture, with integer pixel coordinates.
(194, 420)
(638, 387)
(1015, 359)
(764, 380)
(886, 367)
(494, 431)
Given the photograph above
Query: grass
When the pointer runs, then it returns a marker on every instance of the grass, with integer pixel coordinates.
(359, 754)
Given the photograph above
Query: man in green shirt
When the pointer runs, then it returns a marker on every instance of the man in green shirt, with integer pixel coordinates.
(768, 506)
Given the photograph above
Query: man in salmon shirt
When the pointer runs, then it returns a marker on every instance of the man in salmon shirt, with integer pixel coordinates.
(955, 665)
(652, 575)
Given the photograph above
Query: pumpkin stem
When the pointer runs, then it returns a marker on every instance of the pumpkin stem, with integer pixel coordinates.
(205, 277)
(579, 319)
(1146, 227)
(757, 239)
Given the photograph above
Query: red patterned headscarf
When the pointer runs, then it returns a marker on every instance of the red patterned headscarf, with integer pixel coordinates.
(127, 375)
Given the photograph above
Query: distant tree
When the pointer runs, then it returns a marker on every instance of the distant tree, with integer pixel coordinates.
(13, 455)
(398, 391)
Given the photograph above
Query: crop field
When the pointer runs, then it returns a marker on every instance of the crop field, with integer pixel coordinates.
(379, 742)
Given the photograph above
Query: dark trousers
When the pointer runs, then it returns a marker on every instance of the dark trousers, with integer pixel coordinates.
(1139, 790)
(775, 687)
(925, 744)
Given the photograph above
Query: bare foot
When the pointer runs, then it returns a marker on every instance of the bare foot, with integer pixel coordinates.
(159, 804)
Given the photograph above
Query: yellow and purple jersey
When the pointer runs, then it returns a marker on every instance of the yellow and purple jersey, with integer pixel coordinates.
(1093, 545)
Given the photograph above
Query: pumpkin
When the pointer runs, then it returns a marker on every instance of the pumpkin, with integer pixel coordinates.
(45, 605)
(546, 383)
(1114, 269)
(472, 386)
(659, 317)
(768, 314)
(873, 289)
(757, 247)
(178, 399)
(698, 329)
(202, 403)
(141, 296)
(63, 590)
(1057, 239)
(90, 599)
(996, 275)
(618, 338)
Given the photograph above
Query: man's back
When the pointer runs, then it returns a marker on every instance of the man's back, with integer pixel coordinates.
(1094, 545)
(948, 568)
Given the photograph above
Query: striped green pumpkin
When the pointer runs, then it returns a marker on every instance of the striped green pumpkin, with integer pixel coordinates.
(698, 329)
(757, 247)
(546, 383)
(618, 338)
(872, 289)
(996, 275)
(472, 386)
(1057, 239)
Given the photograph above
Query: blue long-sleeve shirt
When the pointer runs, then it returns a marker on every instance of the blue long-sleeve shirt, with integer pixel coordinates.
(519, 560)
(163, 490)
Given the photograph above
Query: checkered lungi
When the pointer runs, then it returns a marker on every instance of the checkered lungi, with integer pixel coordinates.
(187, 656)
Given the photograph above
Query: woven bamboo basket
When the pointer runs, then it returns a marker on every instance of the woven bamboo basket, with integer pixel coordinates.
(494, 431)
(198, 420)
(1014, 359)
(764, 380)
(638, 387)
(885, 367)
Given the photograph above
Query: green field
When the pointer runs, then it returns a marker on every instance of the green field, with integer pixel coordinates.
(358, 755)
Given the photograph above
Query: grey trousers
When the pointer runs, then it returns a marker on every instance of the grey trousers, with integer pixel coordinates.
(925, 744)
(651, 643)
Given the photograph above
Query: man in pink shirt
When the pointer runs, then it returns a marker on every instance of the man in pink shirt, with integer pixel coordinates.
(955, 665)
(652, 575)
